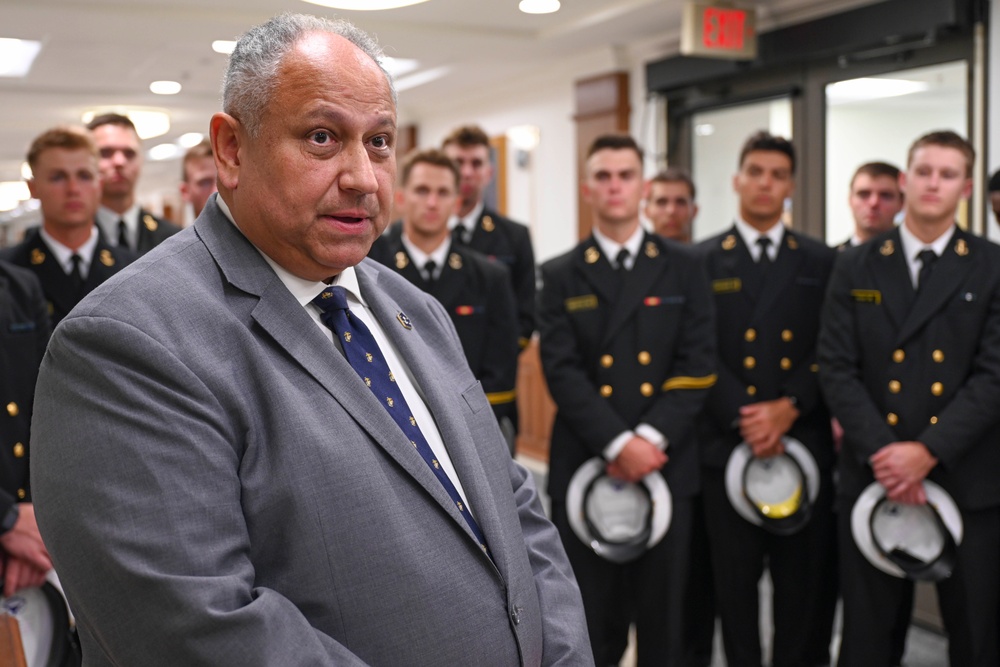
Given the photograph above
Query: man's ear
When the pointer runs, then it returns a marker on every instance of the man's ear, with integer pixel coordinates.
(226, 134)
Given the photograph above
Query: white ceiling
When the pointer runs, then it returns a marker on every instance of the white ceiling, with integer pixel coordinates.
(103, 53)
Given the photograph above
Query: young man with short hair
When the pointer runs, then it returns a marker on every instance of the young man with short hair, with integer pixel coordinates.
(670, 204)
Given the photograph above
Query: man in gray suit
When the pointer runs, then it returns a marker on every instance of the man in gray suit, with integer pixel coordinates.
(221, 486)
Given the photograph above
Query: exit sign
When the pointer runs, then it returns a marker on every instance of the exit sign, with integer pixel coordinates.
(719, 30)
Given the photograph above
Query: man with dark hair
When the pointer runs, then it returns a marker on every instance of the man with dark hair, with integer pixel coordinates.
(120, 217)
(910, 363)
(670, 204)
(875, 199)
(198, 176)
(625, 321)
(768, 283)
(475, 291)
(486, 231)
(258, 448)
(994, 190)
(67, 253)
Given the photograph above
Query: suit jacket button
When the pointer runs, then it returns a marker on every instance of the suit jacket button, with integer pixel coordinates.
(933, 420)
(937, 356)
(21, 494)
(646, 389)
(937, 388)
(894, 386)
(606, 390)
(750, 335)
(645, 357)
(787, 336)
(18, 450)
(892, 419)
(786, 363)
(751, 390)
(607, 360)
(898, 356)
(12, 409)
(749, 362)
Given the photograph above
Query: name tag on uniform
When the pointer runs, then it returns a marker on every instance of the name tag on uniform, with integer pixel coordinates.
(866, 296)
(585, 302)
(21, 327)
(727, 285)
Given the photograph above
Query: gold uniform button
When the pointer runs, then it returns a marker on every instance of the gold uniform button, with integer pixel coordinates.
(607, 360)
(937, 388)
(645, 358)
(892, 419)
(646, 389)
(749, 362)
(937, 356)
(606, 390)
(787, 336)
(894, 386)
(19, 450)
(898, 356)
(12, 409)
(786, 363)
(750, 335)
(751, 390)
(21, 494)
(933, 420)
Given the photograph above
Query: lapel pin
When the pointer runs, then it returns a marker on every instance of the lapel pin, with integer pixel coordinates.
(591, 255)
(401, 260)
(729, 242)
(961, 248)
(887, 248)
(404, 320)
(651, 250)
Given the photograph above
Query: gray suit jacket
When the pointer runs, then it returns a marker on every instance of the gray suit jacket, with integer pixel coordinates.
(218, 487)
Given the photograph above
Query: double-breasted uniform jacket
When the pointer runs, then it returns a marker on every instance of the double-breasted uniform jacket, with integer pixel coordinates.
(619, 350)
(24, 333)
(153, 231)
(33, 253)
(477, 295)
(898, 365)
(508, 242)
(767, 325)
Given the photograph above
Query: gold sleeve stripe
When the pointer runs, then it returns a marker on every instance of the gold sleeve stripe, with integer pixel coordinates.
(683, 382)
(501, 397)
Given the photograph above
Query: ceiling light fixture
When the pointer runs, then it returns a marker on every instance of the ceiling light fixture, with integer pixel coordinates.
(165, 87)
(224, 46)
(12, 193)
(17, 55)
(364, 5)
(864, 89)
(190, 139)
(538, 6)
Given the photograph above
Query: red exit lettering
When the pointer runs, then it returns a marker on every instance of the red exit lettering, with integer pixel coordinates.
(723, 28)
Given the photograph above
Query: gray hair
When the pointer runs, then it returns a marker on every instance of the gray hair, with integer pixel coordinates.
(253, 67)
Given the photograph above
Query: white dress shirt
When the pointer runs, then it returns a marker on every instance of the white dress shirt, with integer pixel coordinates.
(64, 255)
(912, 247)
(108, 221)
(750, 235)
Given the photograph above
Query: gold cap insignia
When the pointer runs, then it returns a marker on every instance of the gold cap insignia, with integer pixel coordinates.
(791, 242)
(404, 320)
(591, 255)
(729, 242)
(402, 261)
(150, 222)
(887, 248)
(455, 261)
(488, 223)
(961, 248)
(651, 250)
(37, 256)
(106, 258)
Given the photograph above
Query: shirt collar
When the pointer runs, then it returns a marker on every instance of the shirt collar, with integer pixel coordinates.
(912, 245)
(611, 248)
(108, 220)
(750, 234)
(64, 254)
(420, 258)
(469, 221)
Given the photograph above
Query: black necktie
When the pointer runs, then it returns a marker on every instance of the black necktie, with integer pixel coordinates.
(927, 258)
(459, 234)
(76, 276)
(122, 234)
(430, 270)
(765, 259)
(366, 358)
(621, 260)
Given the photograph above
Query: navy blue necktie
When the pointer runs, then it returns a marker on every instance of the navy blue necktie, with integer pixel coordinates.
(927, 258)
(366, 358)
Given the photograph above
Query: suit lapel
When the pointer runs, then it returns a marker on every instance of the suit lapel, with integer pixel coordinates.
(597, 270)
(949, 272)
(892, 277)
(779, 276)
(448, 287)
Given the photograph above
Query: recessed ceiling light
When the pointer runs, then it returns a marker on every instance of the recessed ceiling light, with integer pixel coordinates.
(13, 193)
(165, 87)
(399, 66)
(365, 5)
(224, 46)
(16, 56)
(164, 152)
(190, 139)
(861, 90)
(538, 6)
(148, 123)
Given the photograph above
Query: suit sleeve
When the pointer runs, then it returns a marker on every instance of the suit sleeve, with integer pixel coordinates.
(580, 404)
(174, 582)
(839, 354)
(693, 371)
